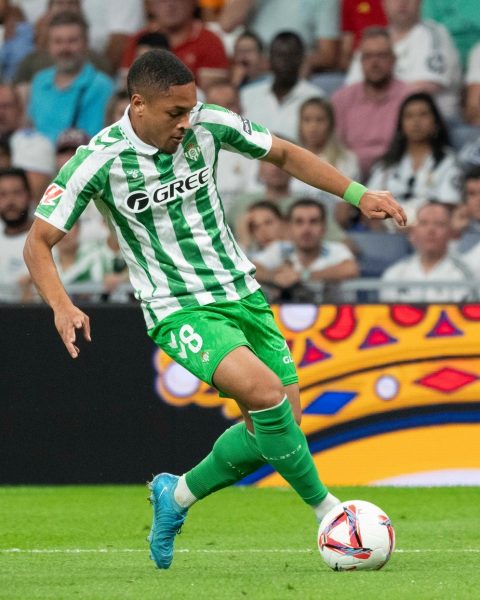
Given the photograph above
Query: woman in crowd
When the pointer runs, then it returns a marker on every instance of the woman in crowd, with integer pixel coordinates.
(317, 134)
(419, 164)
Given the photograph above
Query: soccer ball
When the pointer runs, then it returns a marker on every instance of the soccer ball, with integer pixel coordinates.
(356, 535)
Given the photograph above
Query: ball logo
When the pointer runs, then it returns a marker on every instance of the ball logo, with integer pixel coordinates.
(138, 201)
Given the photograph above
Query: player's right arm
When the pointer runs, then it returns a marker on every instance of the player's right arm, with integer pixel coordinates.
(39, 260)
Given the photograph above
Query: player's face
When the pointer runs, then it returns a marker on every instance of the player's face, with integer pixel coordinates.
(14, 200)
(432, 232)
(67, 46)
(472, 198)
(307, 228)
(315, 126)
(163, 119)
(265, 227)
(378, 60)
(402, 13)
(418, 122)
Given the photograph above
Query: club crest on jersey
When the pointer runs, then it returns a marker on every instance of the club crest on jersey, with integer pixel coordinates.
(140, 200)
(193, 152)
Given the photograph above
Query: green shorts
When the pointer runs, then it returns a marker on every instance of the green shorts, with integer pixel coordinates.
(198, 338)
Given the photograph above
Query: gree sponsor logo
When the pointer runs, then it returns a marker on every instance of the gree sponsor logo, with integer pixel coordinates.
(140, 200)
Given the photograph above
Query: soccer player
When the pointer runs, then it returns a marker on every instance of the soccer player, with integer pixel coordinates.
(153, 175)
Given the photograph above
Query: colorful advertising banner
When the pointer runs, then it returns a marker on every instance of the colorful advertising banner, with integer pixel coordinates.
(390, 394)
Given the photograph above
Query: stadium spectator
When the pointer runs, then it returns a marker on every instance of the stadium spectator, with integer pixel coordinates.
(236, 175)
(276, 102)
(116, 107)
(93, 230)
(35, 153)
(461, 19)
(317, 133)
(419, 164)
(111, 23)
(466, 216)
(431, 262)
(15, 223)
(150, 40)
(40, 58)
(313, 264)
(366, 112)
(317, 23)
(200, 49)
(265, 225)
(72, 93)
(472, 87)
(5, 155)
(426, 57)
(77, 263)
(210, 9)
(10, 111)
(16, 39)
(249, 62)
(275, 187)
(358, 15)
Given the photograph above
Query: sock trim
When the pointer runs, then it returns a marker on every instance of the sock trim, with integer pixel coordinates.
(262, 410)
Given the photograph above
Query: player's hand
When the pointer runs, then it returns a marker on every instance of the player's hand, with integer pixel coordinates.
(67, 320)
(382, 205)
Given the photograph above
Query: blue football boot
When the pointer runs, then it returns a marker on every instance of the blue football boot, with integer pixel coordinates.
(168, 518)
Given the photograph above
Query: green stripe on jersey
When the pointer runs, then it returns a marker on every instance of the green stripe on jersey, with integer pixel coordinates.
(206, 210)
(165, 263)
(185, 237)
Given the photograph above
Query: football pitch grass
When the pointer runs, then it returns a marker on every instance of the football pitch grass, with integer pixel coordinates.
(88, 542)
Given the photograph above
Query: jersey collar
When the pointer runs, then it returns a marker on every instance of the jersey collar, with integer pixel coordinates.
(140, 146)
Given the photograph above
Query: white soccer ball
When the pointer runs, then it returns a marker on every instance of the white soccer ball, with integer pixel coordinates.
(356, 535)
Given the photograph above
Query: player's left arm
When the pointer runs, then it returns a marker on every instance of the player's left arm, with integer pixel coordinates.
(314, 171)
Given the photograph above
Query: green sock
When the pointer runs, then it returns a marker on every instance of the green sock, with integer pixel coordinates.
(284, 446)
(234, 455)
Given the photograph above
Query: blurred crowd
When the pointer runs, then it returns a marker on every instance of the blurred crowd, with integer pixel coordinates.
(388, 91)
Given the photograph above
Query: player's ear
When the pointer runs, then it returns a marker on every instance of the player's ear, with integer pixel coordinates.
(137, 104)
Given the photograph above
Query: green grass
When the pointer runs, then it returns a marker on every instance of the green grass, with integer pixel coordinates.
(239, 543)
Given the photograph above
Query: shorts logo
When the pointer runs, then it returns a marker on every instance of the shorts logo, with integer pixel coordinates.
(52, 195)
(140, 200)
(205, 356)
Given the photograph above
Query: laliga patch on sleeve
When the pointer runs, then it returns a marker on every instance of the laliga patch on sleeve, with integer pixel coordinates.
(50, 199)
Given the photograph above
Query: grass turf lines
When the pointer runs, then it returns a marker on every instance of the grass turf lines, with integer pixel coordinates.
(88, 542)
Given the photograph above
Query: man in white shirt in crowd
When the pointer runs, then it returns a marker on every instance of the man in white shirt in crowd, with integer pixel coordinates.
(431, 262)
(276, 102)
(15, 222)
(312, 264)
(426, 56)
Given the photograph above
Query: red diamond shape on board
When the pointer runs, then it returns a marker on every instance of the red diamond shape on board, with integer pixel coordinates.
(447, 379)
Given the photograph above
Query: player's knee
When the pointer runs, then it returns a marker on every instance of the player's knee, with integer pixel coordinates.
(264, 393)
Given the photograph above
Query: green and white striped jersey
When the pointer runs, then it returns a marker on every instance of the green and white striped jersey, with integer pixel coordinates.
(165, 208)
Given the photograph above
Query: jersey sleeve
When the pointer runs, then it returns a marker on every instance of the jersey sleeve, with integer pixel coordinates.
(79, 180)
(234, 132)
